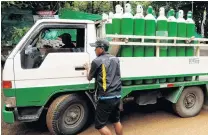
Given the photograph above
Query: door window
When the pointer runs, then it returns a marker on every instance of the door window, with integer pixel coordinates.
(52, 40)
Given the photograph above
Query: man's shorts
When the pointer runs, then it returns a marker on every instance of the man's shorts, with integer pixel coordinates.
(107, 109)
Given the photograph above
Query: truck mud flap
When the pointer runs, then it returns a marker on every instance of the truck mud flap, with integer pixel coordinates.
(174, 95)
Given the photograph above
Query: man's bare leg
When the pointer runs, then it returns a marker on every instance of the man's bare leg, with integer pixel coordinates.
(105, 131)
(118, 128)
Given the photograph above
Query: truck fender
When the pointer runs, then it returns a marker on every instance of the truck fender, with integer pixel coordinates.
(87, 95)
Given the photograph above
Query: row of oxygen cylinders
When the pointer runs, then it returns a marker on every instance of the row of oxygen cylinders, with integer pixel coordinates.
(126, 24)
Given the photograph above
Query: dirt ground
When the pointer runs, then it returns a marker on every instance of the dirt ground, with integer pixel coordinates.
(151, 120)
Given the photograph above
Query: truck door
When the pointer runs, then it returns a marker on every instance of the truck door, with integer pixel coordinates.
(53, 56)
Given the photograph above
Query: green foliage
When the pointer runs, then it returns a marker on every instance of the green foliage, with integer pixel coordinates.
(99, 7)
(19, 4)
(103, 7)
(5, 4)
(33, 5)
(18, 33)
(96, 7)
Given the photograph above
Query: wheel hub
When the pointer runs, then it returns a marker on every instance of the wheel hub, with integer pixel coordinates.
(190, 100)
(73, 114)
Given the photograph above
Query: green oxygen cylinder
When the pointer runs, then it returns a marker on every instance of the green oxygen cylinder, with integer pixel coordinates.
(172, 32)
(181, 32)
(162, 27)
(116, 21)
(139, 26)
(127, 23)
(139, 23)
(109, 25)
(190, 31)
(150, 28)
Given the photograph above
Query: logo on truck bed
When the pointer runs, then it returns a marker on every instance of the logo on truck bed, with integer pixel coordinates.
(194, 61)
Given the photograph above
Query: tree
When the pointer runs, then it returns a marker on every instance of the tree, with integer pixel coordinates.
(34, 5)
(95, 7)
(98, 7)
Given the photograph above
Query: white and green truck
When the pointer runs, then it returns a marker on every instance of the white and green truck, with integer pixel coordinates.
(38, 78)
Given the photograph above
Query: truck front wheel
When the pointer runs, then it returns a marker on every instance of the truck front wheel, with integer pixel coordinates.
(190, 102)
(67, 115)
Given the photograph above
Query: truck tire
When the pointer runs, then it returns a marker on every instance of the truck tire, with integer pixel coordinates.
(67, 115)
(190, 102)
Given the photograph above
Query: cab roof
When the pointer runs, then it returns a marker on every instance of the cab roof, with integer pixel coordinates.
(65, 21)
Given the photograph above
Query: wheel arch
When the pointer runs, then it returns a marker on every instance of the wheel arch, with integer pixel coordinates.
(84, 94)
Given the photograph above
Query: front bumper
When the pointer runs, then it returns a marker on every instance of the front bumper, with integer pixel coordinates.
(8, 116)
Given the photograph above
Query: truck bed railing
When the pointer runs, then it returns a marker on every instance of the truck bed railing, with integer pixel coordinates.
(153, 44)
(157, 37)
(120, 40)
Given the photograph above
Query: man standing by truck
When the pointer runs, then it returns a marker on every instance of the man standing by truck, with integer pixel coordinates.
(106, 71)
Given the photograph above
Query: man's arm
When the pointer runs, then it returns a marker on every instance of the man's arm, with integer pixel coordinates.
(88, 74)
(91, 72)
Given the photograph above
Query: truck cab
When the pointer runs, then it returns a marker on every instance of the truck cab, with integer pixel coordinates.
(35, 60)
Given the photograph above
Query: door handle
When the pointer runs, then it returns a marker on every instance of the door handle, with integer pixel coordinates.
(79, 68)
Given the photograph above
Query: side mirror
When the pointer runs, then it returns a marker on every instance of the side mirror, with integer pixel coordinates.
(29, 49)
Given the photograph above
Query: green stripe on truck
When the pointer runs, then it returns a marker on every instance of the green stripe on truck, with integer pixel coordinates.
(165, 76)
(38, 96)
